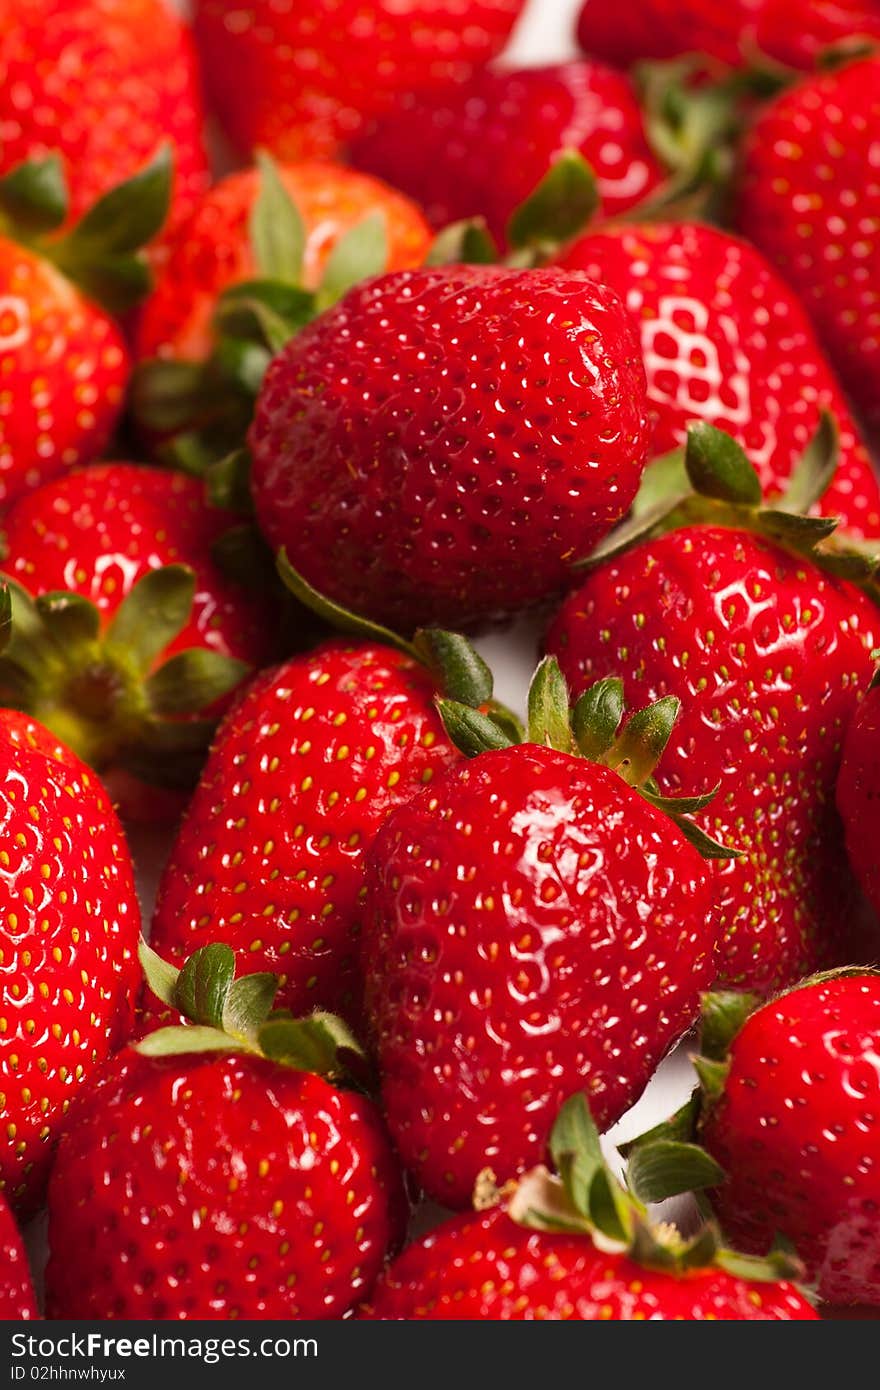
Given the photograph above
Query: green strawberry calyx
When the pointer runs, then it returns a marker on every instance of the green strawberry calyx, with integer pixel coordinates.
(236, 1014)
(105, 688)
(584, 1197)
(102, 253)
(593, 728)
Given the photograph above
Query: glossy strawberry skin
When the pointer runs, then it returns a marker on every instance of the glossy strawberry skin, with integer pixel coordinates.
(17, 1302)
(64, 368)
(303, 772)
(442, 444)
(516, 913)
(487, 1268)
(480, 149)
(797, 1130)
(307, 77)
(219, 1187)
(810, 199)
(116, 79)
(770, 658)
(212, 250)
(725, 340)
(68, 945)
(858, 787)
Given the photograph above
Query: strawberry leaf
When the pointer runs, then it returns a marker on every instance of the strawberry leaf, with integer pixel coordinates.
(596, 718)
(460, 672)
(559, 209)
(645, 735)
(131, 214)
(666, 1169)
(276, 228)
(178, 1041)
(464, 243)
(723, 1013)
(152, 614)
(70, 618)
(33, 197)
(160, 975)
(718, 467)
(359, 255)
(342, 619)
(192, 680)
(472, 733)
(548, 716)
(248, 1005)
(814, 472)
(204, 984)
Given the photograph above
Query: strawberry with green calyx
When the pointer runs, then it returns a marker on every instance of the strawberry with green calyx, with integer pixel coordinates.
(516, 911)
(786, 1108)
(222, 1169)
(63, 361)
(750, 615)
(579, 1245)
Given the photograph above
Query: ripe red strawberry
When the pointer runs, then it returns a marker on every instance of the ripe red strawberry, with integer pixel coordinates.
(793, 32)
(545, 1255)
(233, 1184)
(136, 623)
(17, 1302)
(481, 148)
(68, 945)
(104, 83)
(770, 655)
(724, 340)
(303, 773)
(306, 78)
(810, 199)
(214, 250)
(857, 790)
(534, 922)
(441, 445)
(788, 1109)
(63, 362)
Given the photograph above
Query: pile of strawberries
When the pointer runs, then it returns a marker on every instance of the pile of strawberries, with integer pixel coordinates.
(597, 342)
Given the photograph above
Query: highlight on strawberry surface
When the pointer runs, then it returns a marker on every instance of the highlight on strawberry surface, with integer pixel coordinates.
(439, 664)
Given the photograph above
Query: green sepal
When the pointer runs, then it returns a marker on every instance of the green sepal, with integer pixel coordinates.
(678, 805)
(713, 1076)
(68, 617)
(243, 555)
(178, 1040)
(5, 616)
(723, 1013)
(152, 614)
(509, 723)
(576, 1150)
(548, 708)
(781, 1263)
(667, 1168)
(360, 254)
(320, 1043)
(464, 243)
(718, 467)
(192, 680)
(703, 843)
(460, 673)
(204, 983)
(814, 472)
(679, 1128)
(338, 617)
(265, 312)
(559, 209)
(276, 229)
(800, 533)
(636, 528)
(33, 197)
(596, 718)
(664, 482)
(248, 1005)
(639, 748)
(161, 976)
(244, 364)
(228, 483)
(167, 395)
(472, 733)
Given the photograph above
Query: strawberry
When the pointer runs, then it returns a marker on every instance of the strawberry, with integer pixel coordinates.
(857, 792)
(135, 623)
(545, 1254)
(535, 920)
(218, 1174)
(17, 1302)
(68, 945)
(787, 1110)
(732, 613)
(706, 304)
(63, 362)
(104, 83)
(303, 773)
(308, 77)
(479, 149)
(810, 199)
(796, 33)
(441, 445)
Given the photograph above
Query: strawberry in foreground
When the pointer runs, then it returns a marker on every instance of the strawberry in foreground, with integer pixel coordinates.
(108, 82)
(479, 149)
(442, 445)
(63, 362)
(810, 199)
(737, 611)
(303, 773)
(213, 1172)
(536, 920)
(579, 1246)
(126, 633)
(857, 788)
(68, 945)
(17, 1302)
(308, 77)
(788, 1110)
(724, 340)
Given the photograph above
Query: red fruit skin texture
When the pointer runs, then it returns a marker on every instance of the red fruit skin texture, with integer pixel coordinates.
(532, 928)
(797, 1129)
(219, 1187)
(68, 945)
(480, 149)
(63, 372)
(17, 1301)
(770, 658)
(858, 790)
(308, 76)
(116, 79)
(725, 340)
(487, 1268)
(213, 251)
(442, 444)
(809, 197)
(303, 772)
